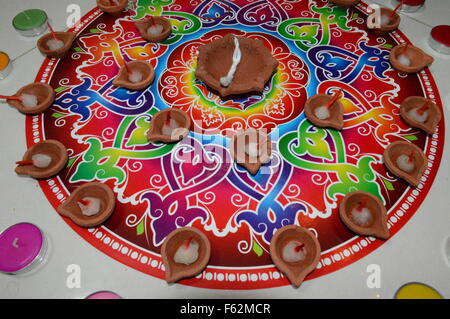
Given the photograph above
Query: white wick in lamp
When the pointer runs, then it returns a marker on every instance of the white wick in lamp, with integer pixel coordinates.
(406, 162)
(420, 114)
(361, 214)
(293, 252)
(155, 29)
(237, 55)
(29, 100)
(89, 206)
(37, 160)
(322, 112)
(187, 253)
(135, 77)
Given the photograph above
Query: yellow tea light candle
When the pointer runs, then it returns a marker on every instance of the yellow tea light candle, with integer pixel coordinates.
(5, 65)
(30, 22)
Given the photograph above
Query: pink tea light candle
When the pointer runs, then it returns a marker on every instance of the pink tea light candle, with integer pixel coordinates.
(22, 248)
(104, 295)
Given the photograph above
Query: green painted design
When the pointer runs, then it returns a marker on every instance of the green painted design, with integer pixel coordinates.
(59, 89)
(351, 177)
(139, 136)
(411, 137)
(70, 162)
(77, 49)
(389, 185)
(387, 45)
(140, 229)
(257, 249)
(150, 7)
(94, 30)
(57, 115)
(102, 163)
(307, 35)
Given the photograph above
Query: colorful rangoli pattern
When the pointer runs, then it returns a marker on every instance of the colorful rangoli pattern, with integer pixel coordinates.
(161, 187)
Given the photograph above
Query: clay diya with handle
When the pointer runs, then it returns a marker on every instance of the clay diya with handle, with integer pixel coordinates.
(72, 207)
(405, 160)
(325, 111)
(256, 65)
(421, 113)
(345, 3)
(392, 23)
(127, 75)
(66, 37)
(112, 7)
(364, 214)
(185, 253)
(295, 251)
(409, 59)
(154, 28)
(169, 126)
(251, 148)
(54, 155)
(44, 93)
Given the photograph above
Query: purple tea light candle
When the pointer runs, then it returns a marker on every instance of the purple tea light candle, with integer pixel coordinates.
(104, 295)
(22, 248)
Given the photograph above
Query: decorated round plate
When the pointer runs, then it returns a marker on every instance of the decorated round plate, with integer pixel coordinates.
(161, 187)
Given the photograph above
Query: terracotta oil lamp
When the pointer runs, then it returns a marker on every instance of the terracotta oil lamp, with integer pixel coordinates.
(319, 106)
(364, 214)
(421, 113)
(185, 253)
(112, 7)
(345, 3)
(127, 72)
(251, 148)
(295, 251)
(169, 126)
(73, 206)
(409, 59)
(405, 160)
(392, 24)
(255, 67)
(55, 153)
(44, 93)
(154, 22)
(66, 37)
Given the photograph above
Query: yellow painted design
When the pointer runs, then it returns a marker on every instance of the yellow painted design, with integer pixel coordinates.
(417, 291)
(4, 60)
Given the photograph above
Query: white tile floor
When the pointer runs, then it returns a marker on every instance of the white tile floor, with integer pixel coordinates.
(22, 200)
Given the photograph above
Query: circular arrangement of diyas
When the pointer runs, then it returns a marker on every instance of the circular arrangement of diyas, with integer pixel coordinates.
(231, 66)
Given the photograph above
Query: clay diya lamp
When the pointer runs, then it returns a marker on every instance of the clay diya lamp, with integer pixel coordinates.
(345, 3)
(251, 148)
(421, 113)
(185, 253)
(389, 21)
(295, 251)
(215, 63)
(44, 44)
(364, 214)
(405, 160)
(135, 75)
(41, 95)
(154, 28)
(89, 205)
(112, 7)
(169, 126)
(440, 39)
(409, 59)
(324, 110)
(43, 160)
